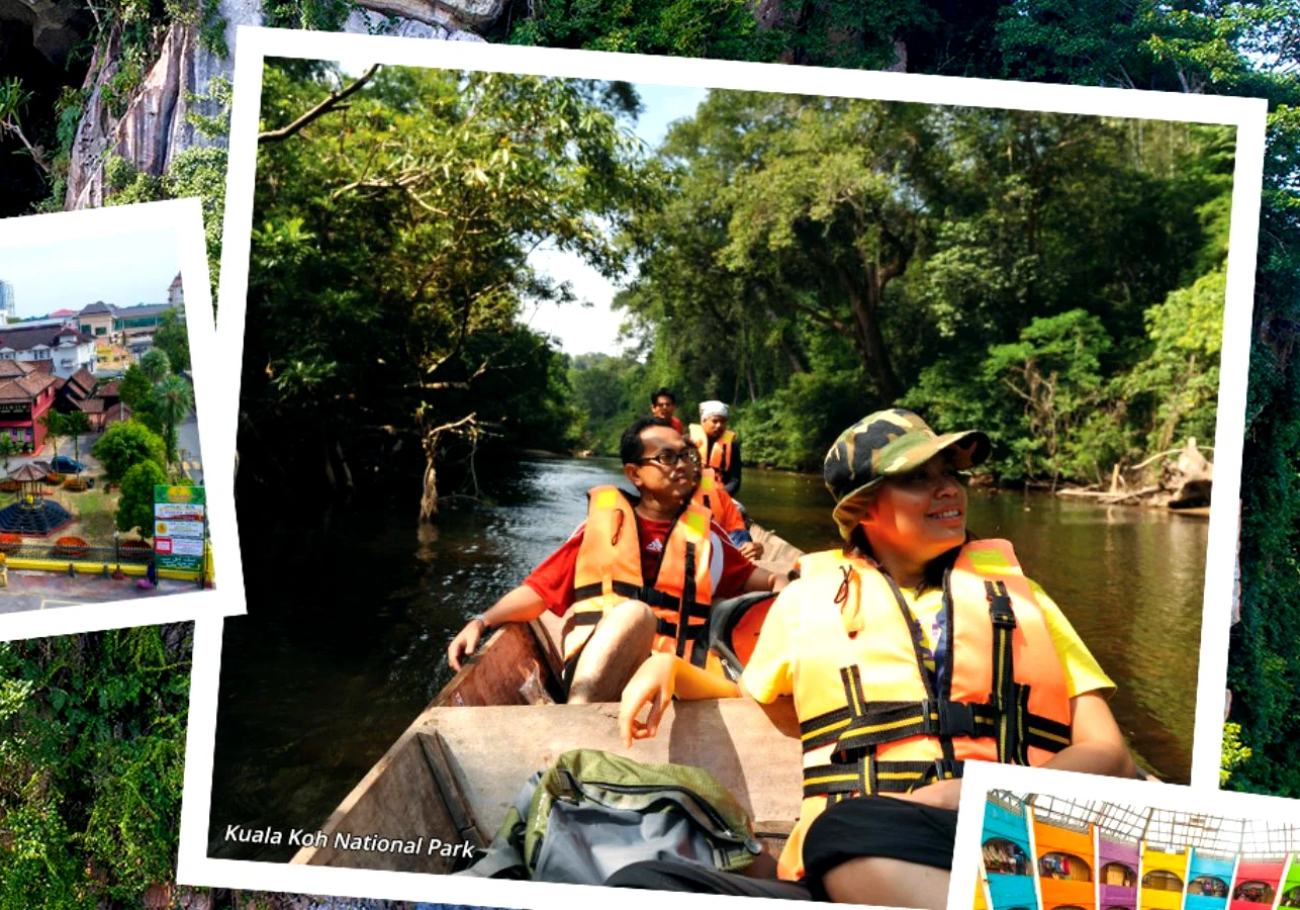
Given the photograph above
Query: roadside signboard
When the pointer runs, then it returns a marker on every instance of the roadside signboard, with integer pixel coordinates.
(180, 527)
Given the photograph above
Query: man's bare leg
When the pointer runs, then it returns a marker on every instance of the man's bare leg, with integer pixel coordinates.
(620, 644)
(887, 882)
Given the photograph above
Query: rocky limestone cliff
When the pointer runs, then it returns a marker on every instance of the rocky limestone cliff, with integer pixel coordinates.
(153, 127)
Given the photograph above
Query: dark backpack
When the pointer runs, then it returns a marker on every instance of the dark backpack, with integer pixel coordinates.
(592, 813)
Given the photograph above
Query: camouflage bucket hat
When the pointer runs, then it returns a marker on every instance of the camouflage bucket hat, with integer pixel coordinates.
(886, 444)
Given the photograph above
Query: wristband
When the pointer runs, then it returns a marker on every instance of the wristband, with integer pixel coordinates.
(482, 617)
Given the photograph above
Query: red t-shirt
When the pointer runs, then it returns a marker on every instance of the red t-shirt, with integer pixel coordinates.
(677, 425)
(553, 579)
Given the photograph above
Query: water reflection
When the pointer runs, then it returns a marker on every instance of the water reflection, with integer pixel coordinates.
(349, 620)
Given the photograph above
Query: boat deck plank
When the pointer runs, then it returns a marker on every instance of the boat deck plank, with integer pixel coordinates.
(754, 752)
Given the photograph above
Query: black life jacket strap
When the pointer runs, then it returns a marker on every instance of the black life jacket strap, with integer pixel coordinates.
(648, 596)
(1006, 696)
(884, 722)
(867, 776)
(688, 597)
(621, 588)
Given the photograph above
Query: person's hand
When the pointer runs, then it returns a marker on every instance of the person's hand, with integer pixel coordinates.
(752, 550)
(651, 685)
(942, 794)
(464, 644)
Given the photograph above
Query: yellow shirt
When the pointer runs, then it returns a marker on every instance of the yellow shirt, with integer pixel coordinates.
(769, 673)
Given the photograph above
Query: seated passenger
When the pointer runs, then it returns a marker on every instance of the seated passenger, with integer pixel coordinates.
(621, 580)
(710, 494)
(663, 403)
(898, 651)
(719, 448)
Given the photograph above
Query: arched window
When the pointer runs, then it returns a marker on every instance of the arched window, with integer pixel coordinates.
(1254, 892)
(1064, 867)
(1160, 880)
(1004, 857)
(1207, 886)
(1118, 874)
(1292, 897)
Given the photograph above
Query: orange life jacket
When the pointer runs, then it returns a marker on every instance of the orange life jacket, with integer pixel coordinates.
(608, 572)
(711, 495)
(871, 720)
(713, 453)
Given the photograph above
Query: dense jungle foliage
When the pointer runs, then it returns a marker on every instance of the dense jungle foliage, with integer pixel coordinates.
(390, 258)
(92, 735)
(1057, 280)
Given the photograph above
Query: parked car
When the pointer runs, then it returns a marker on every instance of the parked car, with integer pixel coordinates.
(65, 465)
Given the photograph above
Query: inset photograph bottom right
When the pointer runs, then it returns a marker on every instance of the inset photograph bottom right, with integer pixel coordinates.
(1077, 847)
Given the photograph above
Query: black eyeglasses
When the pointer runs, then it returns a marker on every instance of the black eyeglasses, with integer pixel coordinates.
(671, 458)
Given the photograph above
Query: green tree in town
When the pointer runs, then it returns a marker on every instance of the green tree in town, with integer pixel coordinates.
(55, 429)
(155, 364)
(173, 401)
(127, 444)
(8, 448)
(173, 339)
(135, 505)
(135, 388)
(76, 424)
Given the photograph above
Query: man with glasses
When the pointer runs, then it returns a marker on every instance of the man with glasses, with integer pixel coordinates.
(638, 575)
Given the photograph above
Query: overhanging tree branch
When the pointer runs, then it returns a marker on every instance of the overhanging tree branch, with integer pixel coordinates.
(329, 104)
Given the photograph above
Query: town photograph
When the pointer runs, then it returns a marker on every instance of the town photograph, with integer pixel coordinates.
(102, 493)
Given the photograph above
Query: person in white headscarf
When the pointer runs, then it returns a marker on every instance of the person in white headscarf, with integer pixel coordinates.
(718, 445)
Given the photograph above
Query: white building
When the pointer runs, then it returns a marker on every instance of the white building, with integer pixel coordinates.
(176, 297)
(60, 349)
(7, 303)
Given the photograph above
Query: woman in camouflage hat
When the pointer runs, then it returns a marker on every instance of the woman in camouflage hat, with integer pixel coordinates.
(909, 650)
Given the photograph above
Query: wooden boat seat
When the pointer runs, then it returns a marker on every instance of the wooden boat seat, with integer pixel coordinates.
(455, 772)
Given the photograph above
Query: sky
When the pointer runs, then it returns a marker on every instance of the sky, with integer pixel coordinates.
(123, 269)
(584, 329)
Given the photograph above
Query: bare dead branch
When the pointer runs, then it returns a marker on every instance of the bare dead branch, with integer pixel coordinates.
(329, 104)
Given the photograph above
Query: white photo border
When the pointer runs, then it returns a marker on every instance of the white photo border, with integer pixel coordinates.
(255, 44)
(213, 401)
(981, 777)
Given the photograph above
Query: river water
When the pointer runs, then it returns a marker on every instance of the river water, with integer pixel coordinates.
(350, 612)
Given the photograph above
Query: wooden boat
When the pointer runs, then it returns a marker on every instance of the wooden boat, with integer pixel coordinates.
(451, 777)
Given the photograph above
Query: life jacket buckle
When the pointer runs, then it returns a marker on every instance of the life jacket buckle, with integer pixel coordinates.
(942, 769)
(1000, 611)
(947, 718)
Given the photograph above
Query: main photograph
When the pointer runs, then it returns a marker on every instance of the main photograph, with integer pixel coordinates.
(627, 464)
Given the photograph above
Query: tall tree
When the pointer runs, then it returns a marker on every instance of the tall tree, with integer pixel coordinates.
(54, 425)
(75, 424)
(174, 400)
(155, 364)
(392, 248)
(172, 338)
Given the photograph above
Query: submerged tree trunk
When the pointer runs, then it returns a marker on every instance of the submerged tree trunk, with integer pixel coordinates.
(429, 498)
